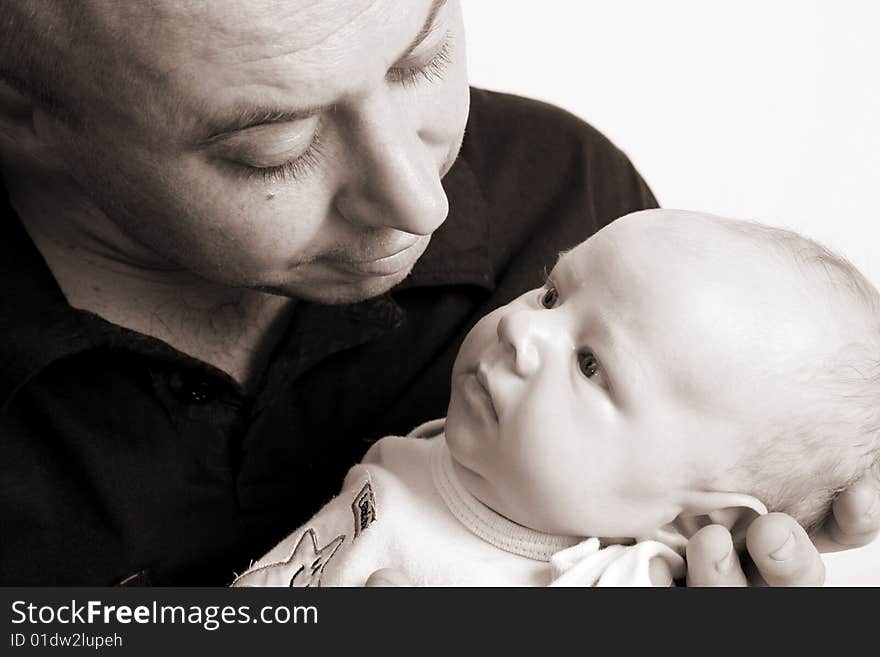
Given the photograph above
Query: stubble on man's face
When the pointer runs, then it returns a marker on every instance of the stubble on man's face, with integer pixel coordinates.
(355, 151)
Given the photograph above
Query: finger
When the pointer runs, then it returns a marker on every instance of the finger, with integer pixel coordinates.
(711, 559)
(855, 520)
(388, 577)
(783, 553)
(659, 572)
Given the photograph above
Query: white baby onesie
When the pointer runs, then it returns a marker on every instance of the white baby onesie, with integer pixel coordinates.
(403, 507)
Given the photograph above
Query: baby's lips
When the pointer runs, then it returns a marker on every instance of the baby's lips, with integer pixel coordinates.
(482, 376)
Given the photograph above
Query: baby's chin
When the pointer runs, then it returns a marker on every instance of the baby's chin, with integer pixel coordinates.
(459, 436)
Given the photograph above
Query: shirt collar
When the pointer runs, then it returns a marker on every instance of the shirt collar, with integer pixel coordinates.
(482, 521)
(38, 326)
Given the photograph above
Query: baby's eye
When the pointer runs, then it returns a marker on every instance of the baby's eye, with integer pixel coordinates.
(550, 297)
(588, 364)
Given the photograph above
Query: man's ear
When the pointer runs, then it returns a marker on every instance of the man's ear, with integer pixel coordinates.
(735, 511)
(21, 136)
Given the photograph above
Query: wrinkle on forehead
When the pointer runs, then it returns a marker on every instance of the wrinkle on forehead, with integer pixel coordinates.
(172, 58)
(168, 32)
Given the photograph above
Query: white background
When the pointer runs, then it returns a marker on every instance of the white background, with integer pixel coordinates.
(760, 109)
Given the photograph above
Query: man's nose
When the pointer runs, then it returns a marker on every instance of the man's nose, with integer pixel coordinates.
(394, 178)
(519, 331)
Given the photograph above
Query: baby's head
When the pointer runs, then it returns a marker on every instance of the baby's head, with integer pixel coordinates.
(674, 364)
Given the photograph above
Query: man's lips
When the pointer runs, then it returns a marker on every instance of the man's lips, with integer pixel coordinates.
(383, 264)
(384, 255)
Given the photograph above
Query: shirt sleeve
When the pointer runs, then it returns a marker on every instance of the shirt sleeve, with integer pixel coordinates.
(318, 552)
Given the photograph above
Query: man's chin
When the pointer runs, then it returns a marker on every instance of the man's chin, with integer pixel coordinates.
(360, 290)
(335, 282)
(337, 293)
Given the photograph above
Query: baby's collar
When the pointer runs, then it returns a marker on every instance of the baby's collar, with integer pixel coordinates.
(483, 521)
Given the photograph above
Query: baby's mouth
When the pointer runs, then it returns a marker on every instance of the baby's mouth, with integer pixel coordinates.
(483, 380)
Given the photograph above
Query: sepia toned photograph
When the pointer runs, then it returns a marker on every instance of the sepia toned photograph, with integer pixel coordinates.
(438, 293)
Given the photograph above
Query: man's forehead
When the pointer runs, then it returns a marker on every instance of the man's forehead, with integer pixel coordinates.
(195, 61)
(228, 18)
(254, 24)
(162, 34)
(245, 30)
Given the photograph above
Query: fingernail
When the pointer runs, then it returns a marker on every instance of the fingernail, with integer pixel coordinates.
(785, 551)
(725, 563)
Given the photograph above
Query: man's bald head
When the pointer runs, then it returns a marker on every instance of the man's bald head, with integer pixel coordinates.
(65, 56)
(62, 55)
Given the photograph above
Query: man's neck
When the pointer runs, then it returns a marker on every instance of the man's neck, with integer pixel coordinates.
(102, 270)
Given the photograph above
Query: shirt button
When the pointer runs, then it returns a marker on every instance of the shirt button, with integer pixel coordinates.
(191, 389)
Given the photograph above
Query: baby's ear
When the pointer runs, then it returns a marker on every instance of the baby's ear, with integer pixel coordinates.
(735, 511)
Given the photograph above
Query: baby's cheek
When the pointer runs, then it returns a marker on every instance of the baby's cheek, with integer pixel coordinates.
(477, 342)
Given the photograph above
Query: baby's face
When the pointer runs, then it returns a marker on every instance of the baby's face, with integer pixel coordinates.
(597, 404)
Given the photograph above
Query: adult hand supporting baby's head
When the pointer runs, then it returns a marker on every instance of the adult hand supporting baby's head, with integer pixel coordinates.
(781, 552)
(856, 518)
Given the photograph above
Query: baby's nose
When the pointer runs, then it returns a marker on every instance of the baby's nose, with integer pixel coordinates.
(518, 331)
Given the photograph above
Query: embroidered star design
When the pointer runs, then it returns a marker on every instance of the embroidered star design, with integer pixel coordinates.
(311, 559)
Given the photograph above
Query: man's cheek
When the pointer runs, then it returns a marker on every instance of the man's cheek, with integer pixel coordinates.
(453, 108)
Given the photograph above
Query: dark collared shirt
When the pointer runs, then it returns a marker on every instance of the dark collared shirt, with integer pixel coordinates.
(121, 456)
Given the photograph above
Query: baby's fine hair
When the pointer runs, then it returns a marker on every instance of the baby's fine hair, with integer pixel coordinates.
(801, 467)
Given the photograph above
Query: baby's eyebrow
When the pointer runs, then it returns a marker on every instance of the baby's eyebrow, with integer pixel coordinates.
(559, 273)
(546, 271)
(562, 254)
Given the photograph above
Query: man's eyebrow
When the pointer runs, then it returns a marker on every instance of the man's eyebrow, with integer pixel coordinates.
(250, 117)
(427, 28)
